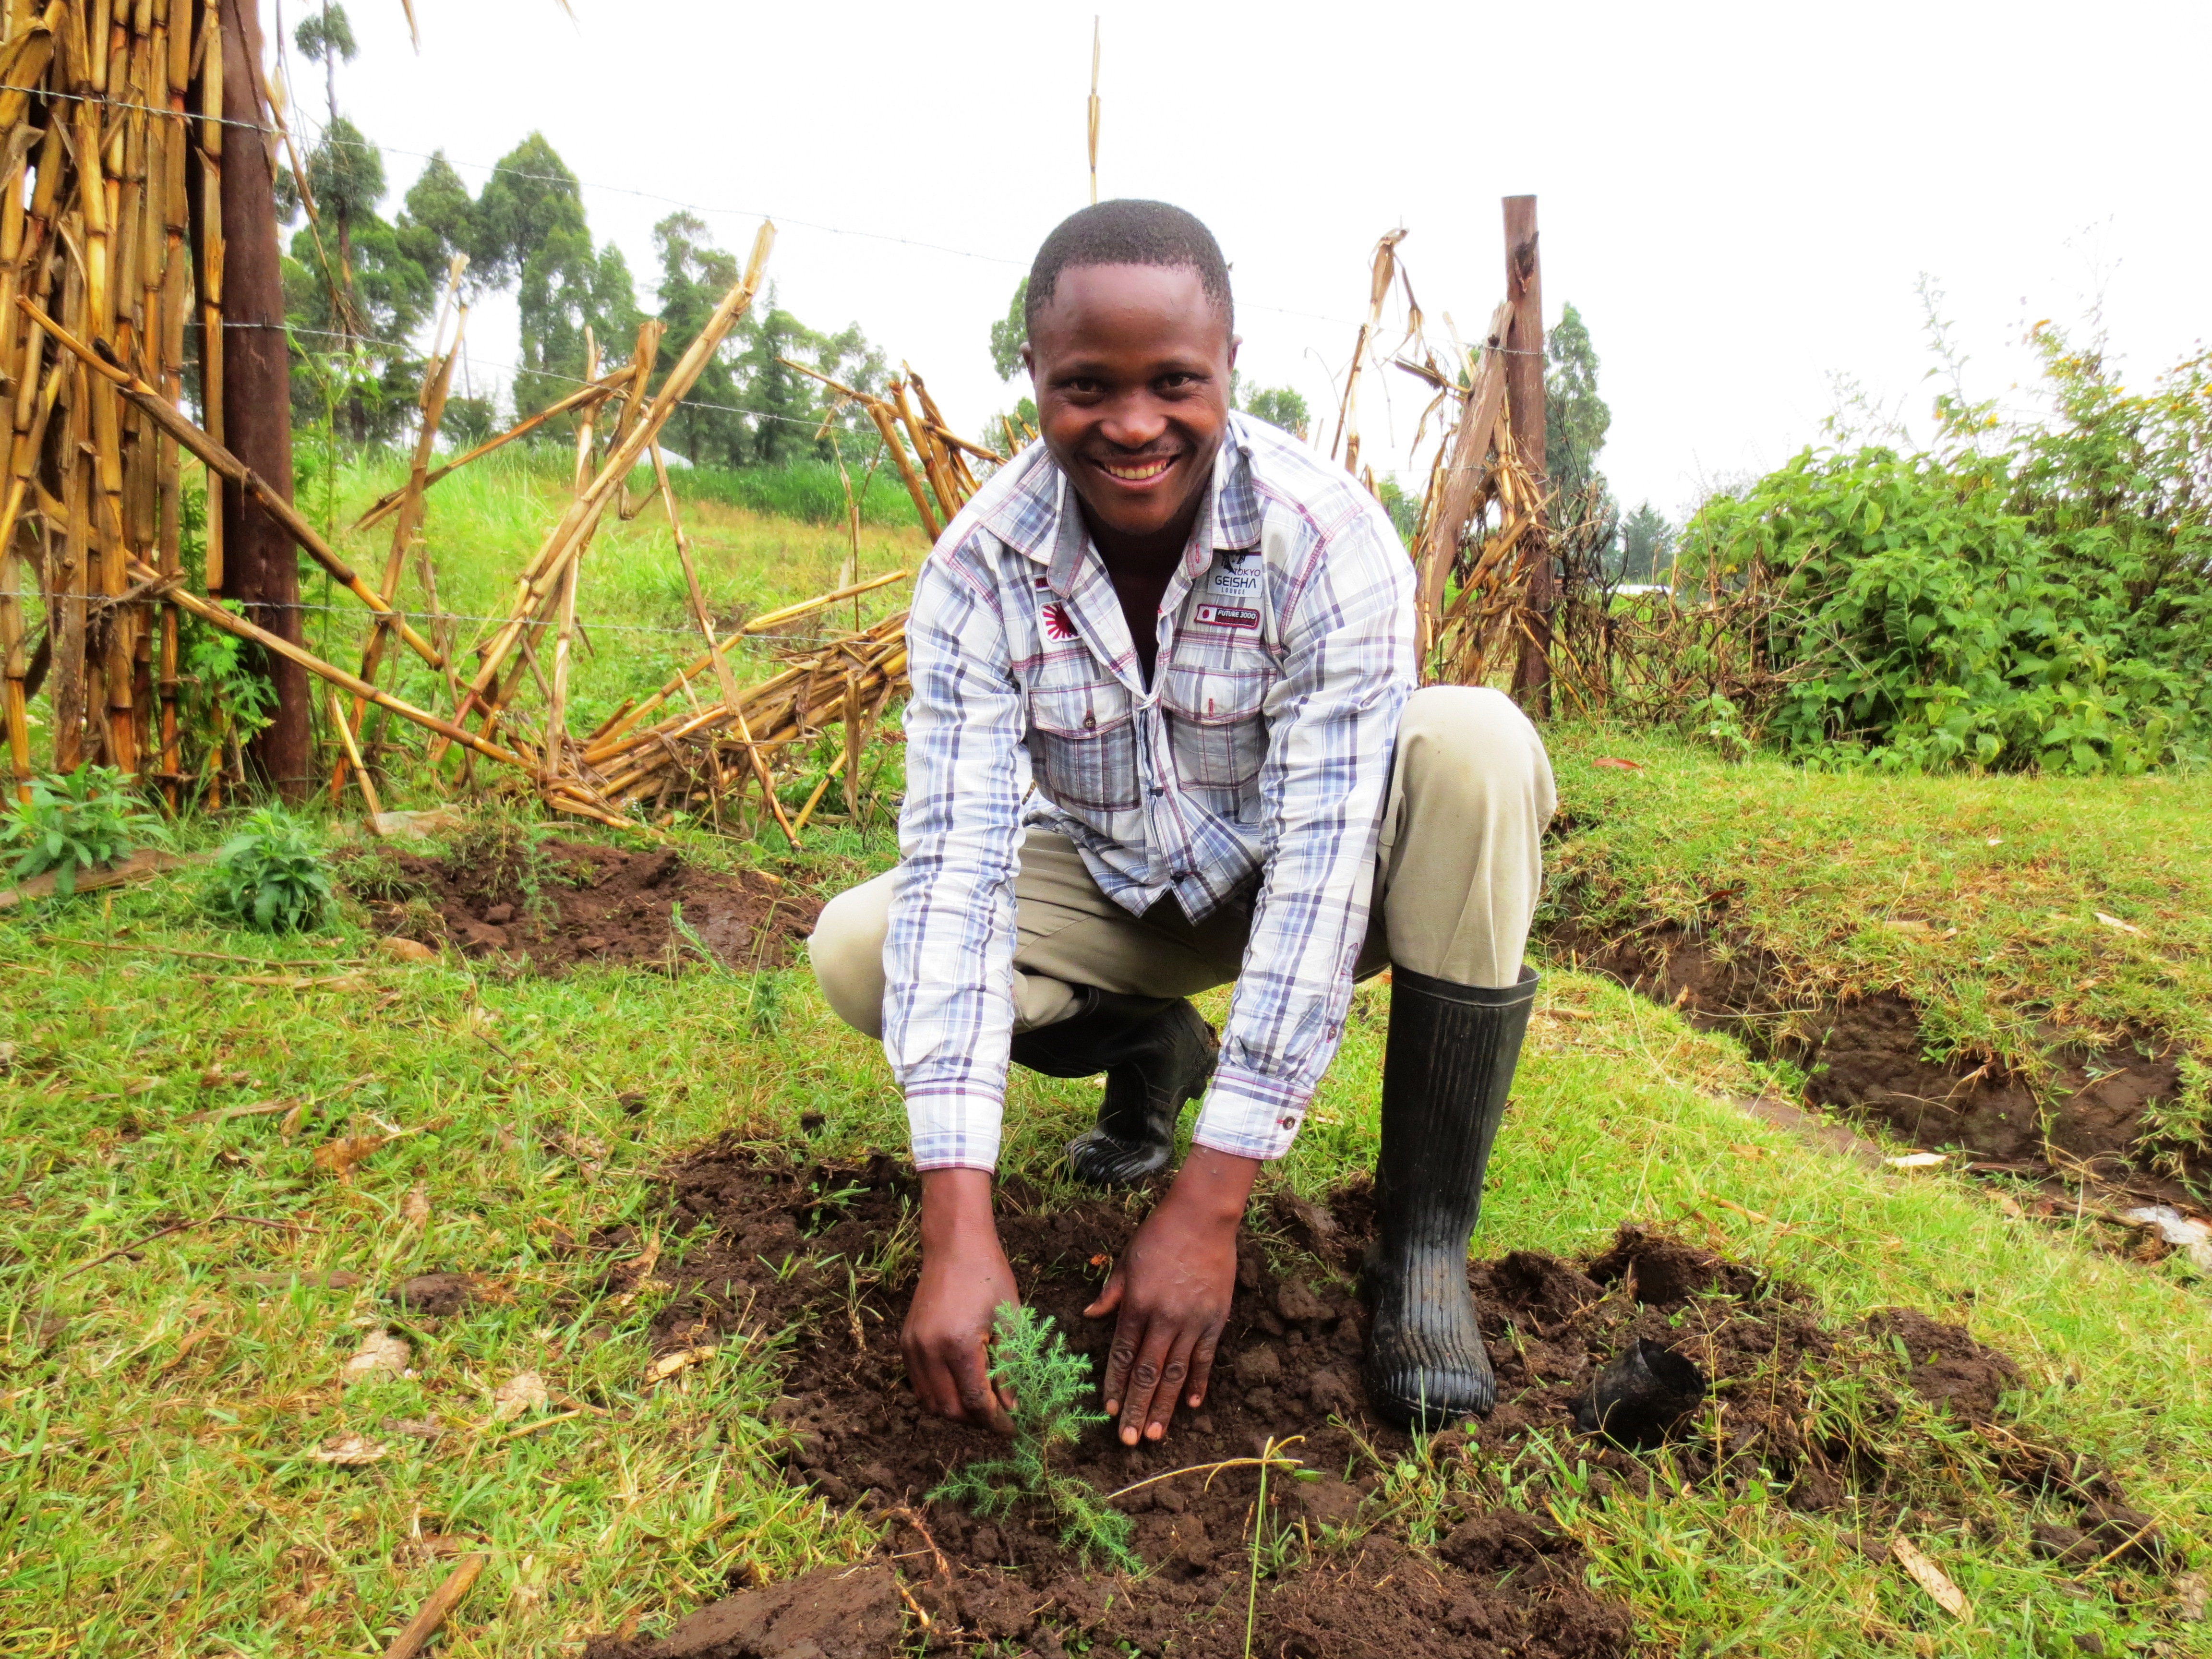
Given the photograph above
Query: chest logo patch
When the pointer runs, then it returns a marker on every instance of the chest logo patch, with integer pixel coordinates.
(1229, 616)
(1057, 624)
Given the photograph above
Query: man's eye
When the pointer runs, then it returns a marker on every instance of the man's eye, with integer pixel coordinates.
(1177, 382)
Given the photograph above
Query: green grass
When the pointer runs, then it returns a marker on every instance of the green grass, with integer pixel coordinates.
(1979, 898)
(159, 1409)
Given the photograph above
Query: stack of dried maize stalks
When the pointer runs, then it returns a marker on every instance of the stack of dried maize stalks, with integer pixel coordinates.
(102, 163)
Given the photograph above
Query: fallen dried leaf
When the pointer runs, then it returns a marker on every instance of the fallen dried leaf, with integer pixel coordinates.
(406, 950)
(1932, 1578)
(349, 1451)
(523, 1392)
(1917, 1160)
(218, 1077)
(670, 1363)
(1617, 765)
(2114, 921)
(415, 1208)
(380, 1355)
(338, 1157)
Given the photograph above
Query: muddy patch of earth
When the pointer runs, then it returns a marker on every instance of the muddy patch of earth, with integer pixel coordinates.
(1868, 1056)
(1444, 1546)
(556, 904)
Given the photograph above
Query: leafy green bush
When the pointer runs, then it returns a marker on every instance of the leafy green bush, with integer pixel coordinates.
(270, 876)
(2037, 595)
(73, 824)
(1049, 1384)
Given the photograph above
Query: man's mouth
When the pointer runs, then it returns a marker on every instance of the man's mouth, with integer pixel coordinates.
(1142, 469)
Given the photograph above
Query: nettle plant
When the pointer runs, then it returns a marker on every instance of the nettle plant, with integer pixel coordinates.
(77, 821)
(270, 876)
(1050, 1387)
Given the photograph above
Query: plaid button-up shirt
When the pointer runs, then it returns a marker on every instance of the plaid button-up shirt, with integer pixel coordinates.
(1253, 768)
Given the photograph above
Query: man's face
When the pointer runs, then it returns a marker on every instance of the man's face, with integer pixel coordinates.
(1131, 366)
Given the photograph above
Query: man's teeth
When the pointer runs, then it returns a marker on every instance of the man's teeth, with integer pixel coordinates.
(1140, 470)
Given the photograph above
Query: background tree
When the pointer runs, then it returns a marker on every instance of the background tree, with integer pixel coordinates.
(1278, 405)
(530, 230)
(1011, 333)
(1576, 419)
(1647, 545)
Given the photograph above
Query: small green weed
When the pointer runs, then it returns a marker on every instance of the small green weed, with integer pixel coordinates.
(73, 824)
(1048, 1384)
(270, 876)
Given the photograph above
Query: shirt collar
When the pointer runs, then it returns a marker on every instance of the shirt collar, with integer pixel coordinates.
(1040, 516)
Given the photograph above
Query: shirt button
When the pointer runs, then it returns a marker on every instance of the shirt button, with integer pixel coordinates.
(1089, 720)
(1159, 789)
(1182, 875)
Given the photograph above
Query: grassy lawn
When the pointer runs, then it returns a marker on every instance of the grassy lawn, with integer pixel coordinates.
(163, 1409)
(2002, 907)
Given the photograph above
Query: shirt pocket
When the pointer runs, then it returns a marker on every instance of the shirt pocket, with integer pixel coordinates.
(1082, 741)
(1217, 723)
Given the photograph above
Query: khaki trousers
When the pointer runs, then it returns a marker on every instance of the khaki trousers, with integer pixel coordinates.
(1458, 872)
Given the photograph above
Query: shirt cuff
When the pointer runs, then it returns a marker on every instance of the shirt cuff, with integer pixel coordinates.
(1248, 1115)
(954, 1128)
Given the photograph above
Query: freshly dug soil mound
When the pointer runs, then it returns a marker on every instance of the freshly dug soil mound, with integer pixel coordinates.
(556, 903)
(1869, 1055)
(1370, 1567)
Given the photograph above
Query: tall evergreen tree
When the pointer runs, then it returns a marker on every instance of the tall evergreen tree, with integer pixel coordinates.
(530, 230)
(1647, 545)
(1576, 418)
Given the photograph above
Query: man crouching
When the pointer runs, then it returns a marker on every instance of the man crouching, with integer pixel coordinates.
(1197, 641)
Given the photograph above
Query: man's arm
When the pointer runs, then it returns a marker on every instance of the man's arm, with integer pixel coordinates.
(948, 960)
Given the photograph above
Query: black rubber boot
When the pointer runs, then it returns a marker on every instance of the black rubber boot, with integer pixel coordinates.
(1447, 1067)
(1156, 1053)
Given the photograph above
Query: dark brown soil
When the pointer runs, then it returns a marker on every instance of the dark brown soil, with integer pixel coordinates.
(1373, 1569)
(1869, 1055)
(557, 903)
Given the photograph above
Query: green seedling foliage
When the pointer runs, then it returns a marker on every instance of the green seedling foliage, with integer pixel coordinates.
(72, 823)
(270, 876)
(1050, 1386)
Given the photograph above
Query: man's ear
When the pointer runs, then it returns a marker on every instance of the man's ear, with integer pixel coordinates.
(1235, 340)
(1028, 363)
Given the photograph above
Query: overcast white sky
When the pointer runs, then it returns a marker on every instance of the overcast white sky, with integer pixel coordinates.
(1738, 198)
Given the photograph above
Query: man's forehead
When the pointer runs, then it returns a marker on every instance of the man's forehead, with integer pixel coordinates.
(1095, 305)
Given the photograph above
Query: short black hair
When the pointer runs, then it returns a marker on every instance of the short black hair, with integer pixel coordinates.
(1130, 232)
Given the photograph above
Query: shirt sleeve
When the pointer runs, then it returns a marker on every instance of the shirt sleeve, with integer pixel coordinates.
(1333, 724)
(949, 957)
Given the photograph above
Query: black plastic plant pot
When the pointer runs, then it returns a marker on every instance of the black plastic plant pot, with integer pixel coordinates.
(1642, 1392)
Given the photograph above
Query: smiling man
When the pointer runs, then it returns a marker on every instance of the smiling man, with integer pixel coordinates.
(1164, 736)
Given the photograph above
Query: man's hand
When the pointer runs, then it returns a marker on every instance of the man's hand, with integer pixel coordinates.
(964, 1279)
(1172, 1288)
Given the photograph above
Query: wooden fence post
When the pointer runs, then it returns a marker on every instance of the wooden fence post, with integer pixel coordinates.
(260, 567)
(1524, 400)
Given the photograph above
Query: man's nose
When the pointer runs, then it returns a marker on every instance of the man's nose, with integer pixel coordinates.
(1133, 422)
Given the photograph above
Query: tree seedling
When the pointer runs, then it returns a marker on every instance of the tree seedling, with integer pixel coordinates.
(1049, 1386)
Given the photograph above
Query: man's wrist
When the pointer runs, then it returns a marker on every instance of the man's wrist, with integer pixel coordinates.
(955, 1208)
(1214, 1186)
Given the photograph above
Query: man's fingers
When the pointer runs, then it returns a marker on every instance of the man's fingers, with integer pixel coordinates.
(1201, 1368)
(1173, 1375)
(979, 1400)
(1145, 1375)
(1108, 1299)
(1120, 1360)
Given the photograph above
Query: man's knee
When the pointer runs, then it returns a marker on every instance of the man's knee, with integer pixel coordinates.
(847, 953)
(1468, 748)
